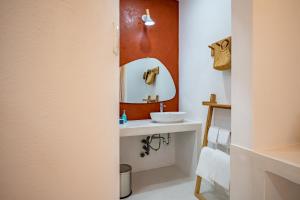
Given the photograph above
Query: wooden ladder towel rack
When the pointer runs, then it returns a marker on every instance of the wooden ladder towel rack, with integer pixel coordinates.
(211, 105)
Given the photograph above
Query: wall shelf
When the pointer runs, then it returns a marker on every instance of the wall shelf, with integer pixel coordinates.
(289, 158)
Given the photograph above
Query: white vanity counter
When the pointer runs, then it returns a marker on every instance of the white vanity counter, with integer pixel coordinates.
(175, 162)
(147, 127)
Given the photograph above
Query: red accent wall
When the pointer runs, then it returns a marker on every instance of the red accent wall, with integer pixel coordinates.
(159, 41)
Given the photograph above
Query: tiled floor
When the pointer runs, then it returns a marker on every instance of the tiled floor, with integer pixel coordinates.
(176, 192)
(168, 183)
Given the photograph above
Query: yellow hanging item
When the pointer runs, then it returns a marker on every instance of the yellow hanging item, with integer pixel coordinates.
(221, 51)
(150, 75)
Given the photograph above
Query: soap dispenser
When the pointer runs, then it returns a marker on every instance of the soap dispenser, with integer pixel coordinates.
(124, 117)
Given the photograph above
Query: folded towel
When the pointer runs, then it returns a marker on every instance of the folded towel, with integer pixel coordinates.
(222, 171)
(206, 166)
(213, 133)
(224, 137)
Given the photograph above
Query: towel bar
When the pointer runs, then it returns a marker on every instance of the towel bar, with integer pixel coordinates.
(211, 105)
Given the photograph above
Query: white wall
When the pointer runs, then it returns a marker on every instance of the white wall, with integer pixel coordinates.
(276, 70)
(265, 73)
(131, 147)
(265, 92)
(242, 109)
(59, 100)
(201, 23)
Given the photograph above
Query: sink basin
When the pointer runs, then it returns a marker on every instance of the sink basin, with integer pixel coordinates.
(167, 117)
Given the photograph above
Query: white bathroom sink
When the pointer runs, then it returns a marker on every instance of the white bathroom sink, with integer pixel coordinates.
(167, 117)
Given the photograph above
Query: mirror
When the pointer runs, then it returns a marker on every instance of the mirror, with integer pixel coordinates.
(146, 80)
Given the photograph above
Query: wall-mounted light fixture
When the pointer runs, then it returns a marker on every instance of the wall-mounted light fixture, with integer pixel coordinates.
(147, 19)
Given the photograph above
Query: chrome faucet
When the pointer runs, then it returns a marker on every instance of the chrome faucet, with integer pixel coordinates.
(161, 106)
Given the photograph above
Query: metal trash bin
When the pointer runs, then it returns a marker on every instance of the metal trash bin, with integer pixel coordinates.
(125, 181)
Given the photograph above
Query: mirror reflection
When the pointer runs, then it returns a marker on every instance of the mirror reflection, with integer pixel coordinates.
(146, 80)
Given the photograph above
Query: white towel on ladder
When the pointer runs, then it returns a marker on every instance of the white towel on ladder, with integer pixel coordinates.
(206, 166)
(222, 173)
(213, 133)
(224, 137)
(214, 166)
